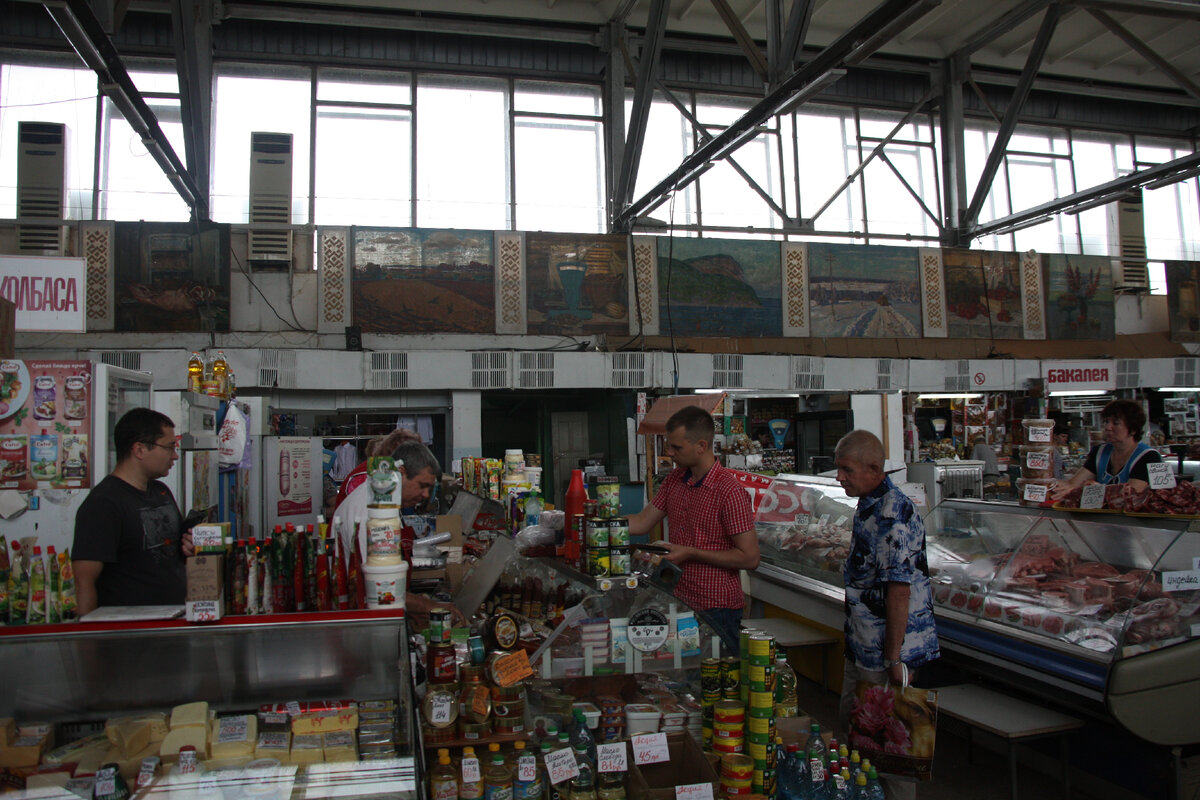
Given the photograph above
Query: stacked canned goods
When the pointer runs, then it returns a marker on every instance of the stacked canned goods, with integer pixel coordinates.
(508, 708)
(760, 683)
(608, 496)
(736, 775)
(729, 727)
(612, 718)
(606, 547)
(710, 693)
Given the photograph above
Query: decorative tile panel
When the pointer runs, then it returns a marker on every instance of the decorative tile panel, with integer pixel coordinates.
(933, 294)
(796, 319)
(334, 298)
(511, 316)
(97, 239)
(643, 289)
(1033, 302)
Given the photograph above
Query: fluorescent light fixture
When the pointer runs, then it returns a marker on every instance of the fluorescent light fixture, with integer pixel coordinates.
(709, 391)
(1080, 393)
(951, 396)
(1180, 389)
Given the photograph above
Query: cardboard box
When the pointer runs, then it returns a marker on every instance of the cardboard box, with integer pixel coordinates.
(205, 588)
(688, 765)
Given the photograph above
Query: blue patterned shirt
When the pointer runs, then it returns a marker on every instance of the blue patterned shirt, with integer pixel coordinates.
(888, 547)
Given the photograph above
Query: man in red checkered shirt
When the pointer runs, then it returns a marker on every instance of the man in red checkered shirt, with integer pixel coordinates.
(710, 521)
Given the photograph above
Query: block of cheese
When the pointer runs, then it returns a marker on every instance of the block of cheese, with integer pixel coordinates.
(181, 737)
(128, 765)
(24, 751)
(190, 714)
(72, 750)
(234, 737)
(8, 731)
(325, 721)
(307, 749)
(274, 744)
(120, 730)
(55, 778)
(340, 746)
(88, 762)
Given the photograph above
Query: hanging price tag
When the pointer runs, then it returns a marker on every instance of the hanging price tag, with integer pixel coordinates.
(293, 708)
(802, 519)
(440, 713)
(1093, 496)
(611, 757)
(650, 748)
(1162, 476)
(561, 765)
(470, 770)
(694, 791)
(526, 769)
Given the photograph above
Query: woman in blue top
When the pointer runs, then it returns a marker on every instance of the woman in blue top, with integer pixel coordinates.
(1122, 458)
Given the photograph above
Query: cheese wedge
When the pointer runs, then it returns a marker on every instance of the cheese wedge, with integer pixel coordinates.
(234, 737)
(119, 729)
(274, 744)
(128, 736)
(181, 737)
(24, 751)
(128, 765)
(340, 746)
(307, 749)
(190, 715)
(8, 731)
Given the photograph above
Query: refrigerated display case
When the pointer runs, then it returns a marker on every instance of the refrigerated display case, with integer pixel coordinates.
(76, 676)
(1101, 608)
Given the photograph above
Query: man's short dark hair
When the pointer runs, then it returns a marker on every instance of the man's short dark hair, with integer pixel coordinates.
(417, 458)
(1130, 412)
(696, 423)
(139, 425)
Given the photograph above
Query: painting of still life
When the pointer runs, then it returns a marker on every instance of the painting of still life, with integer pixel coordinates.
(983, 294)
(171, 276)
(1079, 297)
(1183, 300)
(577, 284)
(864, 291)
(421, 280)
(719, 287)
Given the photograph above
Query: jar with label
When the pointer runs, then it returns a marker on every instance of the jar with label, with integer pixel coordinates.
(45, 397)
(383, 535)
(608, 496)
(75, 399)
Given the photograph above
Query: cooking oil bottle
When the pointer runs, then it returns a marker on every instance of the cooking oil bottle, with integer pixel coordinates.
(443, 780)
(195, 372)
(221, 374)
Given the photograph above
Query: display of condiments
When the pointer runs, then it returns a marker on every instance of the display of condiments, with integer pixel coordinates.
(35, 588)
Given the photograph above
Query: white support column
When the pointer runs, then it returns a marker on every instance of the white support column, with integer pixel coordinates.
(466, 426)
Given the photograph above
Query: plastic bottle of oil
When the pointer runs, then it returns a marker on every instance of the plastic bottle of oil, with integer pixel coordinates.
(221, 374)
(195, 371)
(443, 780)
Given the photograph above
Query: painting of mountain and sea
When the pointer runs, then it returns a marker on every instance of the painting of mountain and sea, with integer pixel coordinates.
(864, 291)
(420, 280)
(719, 287)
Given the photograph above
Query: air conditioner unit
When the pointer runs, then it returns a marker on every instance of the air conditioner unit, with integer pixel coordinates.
(270, 199)
(1127, 243)
(41, 186)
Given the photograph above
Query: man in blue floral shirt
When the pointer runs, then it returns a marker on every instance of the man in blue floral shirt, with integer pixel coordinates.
(889, 606)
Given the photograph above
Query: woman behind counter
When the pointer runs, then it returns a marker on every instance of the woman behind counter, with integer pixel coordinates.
(1122, 458)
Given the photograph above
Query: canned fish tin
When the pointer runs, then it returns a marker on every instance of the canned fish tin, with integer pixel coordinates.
(618, 532)
(762, 679)
(597, 562)
(509, 724)
(757, 751)
(762, 649)
(728, 745)
(620, 561)
(736, 767)
(473, 731)
(729, 712)
(710, 675)
(597, 532)
(730, 676)
(441, 622)
(766, 782)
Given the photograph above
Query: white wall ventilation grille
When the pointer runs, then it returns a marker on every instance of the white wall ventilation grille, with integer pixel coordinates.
(388, 369)
(1185, 372)
(628, 371)
(808, 373)
(883, 374)
(490, 370)
(122, 358)
(1129, 373)
(727, 371)
(535, 370)
(960, 381)
(277, 369)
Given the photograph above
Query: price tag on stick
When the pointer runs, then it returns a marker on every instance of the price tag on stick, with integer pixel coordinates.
(1093, 496)
(1162, 476)
(611, 757)
(650, 748)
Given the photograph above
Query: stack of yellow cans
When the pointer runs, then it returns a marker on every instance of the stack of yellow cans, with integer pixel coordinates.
(729, 727)
(710, 693)
(736, 775)
(760, 680)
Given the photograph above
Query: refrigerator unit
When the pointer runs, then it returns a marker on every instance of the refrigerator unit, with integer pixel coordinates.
(193, 478)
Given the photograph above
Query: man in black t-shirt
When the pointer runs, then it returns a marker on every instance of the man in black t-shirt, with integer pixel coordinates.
(129, 540)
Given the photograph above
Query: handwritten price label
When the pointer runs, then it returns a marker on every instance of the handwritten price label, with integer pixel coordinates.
(1181, 581)
(1037, 461)
(470, 770)
(694, 791)
(1161, 476)
(443, 702)
(1093, 496)
(612, 757)
(650, 748)
(561, 765)
(526, 769)
(1035, 492)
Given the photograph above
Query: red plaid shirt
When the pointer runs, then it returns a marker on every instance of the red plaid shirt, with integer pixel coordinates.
(706, 514)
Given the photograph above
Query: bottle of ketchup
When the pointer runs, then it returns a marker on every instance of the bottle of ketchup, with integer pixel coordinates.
(573, 506)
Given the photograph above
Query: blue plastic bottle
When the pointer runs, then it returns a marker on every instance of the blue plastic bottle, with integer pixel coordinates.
(874, 788)
(788, 775)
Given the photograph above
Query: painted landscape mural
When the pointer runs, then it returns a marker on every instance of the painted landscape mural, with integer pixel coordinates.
(577, 283)
(864, 291)
(417, 280)
(171, 276)
(1079, 297)
(983, 294)
(1183, 300)
(719, 287)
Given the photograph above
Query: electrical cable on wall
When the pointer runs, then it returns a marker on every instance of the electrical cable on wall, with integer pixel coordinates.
(670, 270)
(250, 280)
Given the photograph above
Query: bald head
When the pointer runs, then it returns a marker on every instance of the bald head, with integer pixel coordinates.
(859, 460)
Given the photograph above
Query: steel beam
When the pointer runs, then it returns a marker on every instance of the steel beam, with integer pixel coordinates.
(999, 26)
(614, 111)
(643, 96)
(904, 182)
(191, 24)
(794, 34)
(800, 86)
(1154, 8)
(1013, 112)
(743, 38)
(1179, 169)
(81, 28)
(1147, 52)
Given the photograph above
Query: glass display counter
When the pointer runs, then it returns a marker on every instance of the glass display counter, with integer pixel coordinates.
(75, 676)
